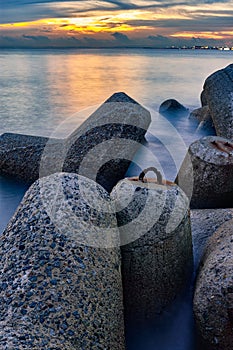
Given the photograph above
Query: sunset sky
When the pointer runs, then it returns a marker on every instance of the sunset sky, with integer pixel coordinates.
(113, 23)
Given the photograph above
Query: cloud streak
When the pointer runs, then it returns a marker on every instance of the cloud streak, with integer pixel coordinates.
(113, 22)
(115, 40)
(202, 23)
(27, 10)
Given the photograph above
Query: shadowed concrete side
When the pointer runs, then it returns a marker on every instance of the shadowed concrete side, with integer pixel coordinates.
(213, 299)
(218, 95)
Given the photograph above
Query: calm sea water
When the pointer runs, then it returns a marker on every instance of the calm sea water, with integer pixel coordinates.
(50, 92)
(42, 88)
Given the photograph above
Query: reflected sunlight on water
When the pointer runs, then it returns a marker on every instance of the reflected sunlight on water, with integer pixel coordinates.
(41, 88)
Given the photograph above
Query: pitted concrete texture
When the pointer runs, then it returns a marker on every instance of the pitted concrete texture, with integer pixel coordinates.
(156, 243)
(213, 299)
(218, 95)
(206, 174)
(105, 144)
(101, 149)
(20, 155)
(60, 282)
(204, 224)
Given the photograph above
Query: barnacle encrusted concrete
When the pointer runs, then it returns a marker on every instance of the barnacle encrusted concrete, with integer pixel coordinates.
(213, 299)
(206, 174)
(60, 282)
(156, 240)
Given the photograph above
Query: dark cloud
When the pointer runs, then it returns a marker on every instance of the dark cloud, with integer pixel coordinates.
(201, 23)
(34, 41)
(36, 37)
(159, 38)
(18, 3)
(152, 41)
(123, 5)
(160, 41)
(26, 10)
(121, 37)
(91, 42)
(163, 42)
(7, 39)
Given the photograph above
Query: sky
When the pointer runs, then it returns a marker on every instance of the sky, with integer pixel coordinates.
(115, 23)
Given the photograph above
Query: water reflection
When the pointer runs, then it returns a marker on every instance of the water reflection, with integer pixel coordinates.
(41, 88)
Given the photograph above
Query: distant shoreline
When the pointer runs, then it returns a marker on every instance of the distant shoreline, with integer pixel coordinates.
(225, 49)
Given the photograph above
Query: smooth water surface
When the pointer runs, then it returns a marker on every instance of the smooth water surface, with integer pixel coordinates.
(11, 193)
(42, 88)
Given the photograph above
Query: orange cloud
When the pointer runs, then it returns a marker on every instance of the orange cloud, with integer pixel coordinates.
(95, 23)
(186, 22)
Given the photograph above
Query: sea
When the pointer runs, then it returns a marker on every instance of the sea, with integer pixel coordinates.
(51, 92)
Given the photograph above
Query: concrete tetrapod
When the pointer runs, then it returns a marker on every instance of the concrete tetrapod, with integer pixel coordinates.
(218, 95)
(101, 149)
(154, 224)
(204, 223)
(213, 299)
(203, 117)
(206, 174)
(60, 283)
(172, 108)
(20, 155)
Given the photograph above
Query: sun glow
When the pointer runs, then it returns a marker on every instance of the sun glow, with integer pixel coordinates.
(31, 24)
(205, 21)
(95, 25)
(129, 21)
(78, 25)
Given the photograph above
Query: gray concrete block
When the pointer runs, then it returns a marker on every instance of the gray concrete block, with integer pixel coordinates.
(60, 282)
(155, 230)
(206, 174)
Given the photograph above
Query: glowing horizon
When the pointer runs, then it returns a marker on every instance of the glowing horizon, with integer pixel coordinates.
(128, 26)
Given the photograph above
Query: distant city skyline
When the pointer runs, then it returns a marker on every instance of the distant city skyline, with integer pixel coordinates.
(115, 23)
